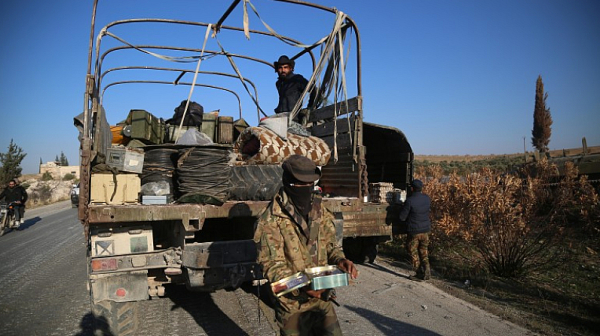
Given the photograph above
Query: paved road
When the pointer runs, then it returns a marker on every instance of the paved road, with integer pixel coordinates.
(43, 292)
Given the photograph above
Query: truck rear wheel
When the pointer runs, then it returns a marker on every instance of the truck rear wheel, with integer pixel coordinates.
(255, 182)
(116, 318)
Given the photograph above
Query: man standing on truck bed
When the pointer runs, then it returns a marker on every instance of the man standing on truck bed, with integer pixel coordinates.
(289, 85)
(295, 233)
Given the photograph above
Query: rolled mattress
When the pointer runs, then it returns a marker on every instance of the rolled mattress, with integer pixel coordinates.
(260, 145)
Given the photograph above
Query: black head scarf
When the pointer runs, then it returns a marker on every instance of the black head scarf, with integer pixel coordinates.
(301, 197)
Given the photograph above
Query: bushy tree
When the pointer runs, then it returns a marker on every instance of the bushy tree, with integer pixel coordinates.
(11, 162)
(542, 120)
(509, 225)
(47, 177)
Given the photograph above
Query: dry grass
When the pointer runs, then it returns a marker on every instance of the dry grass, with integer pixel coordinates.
(462, 158)
(527, 247)
(471, 158)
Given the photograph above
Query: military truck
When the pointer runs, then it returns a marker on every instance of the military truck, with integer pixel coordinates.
(140, 243)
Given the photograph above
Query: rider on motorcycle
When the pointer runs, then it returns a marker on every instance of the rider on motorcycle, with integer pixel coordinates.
(17, 194)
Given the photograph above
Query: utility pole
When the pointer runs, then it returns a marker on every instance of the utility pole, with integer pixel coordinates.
(524, 149)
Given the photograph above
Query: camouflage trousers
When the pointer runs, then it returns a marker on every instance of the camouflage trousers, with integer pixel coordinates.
(315, 317)
(417, 246)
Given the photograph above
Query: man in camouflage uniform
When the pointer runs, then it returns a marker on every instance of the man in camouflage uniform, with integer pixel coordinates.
(416, 212)
(296, 233)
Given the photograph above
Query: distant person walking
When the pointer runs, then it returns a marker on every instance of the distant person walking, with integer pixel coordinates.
(416, 213)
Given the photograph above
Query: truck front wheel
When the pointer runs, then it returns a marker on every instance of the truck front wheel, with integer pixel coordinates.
(116, 318)
(361, 249)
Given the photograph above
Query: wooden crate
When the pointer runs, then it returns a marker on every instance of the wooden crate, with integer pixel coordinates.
(225, 130)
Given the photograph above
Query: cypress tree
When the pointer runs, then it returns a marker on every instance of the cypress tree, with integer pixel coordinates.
(542, 120)
(63, 159)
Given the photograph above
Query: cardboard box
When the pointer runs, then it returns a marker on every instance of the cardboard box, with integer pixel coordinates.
(125, 159)
(103, 186)
(385, 192)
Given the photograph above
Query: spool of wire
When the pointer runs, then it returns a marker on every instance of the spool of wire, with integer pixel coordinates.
(159, 166)
(203, 174)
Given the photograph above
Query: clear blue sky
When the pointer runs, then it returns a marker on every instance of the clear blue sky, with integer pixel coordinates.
(457, 77)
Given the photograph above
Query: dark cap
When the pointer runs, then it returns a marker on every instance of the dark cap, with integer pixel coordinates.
(301, 168)
(283, 59)
(417, 185)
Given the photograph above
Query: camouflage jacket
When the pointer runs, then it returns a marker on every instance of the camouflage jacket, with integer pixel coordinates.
(288, 245)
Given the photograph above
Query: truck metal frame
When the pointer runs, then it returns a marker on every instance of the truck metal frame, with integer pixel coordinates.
(134, 250)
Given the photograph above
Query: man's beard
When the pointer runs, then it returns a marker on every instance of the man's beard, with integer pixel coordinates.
(284, 76)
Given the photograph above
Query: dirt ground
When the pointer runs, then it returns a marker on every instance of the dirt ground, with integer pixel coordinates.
(564, 300)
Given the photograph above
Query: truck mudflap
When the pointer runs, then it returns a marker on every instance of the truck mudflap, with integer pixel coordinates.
(120, 287)
(215, 265)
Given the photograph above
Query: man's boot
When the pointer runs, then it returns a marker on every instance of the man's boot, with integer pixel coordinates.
(415, 277)
(427, 272)
(418, 275)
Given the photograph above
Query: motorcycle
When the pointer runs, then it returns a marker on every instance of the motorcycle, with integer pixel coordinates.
(7, 217)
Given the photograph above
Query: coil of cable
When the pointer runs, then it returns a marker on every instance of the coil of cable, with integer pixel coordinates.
(203, 174)
(159, 166)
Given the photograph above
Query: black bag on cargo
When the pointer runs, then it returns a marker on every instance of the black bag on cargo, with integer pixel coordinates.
(193, 117)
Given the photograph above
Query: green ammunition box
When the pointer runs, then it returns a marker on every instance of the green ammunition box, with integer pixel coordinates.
(145, 127)
(209, 124)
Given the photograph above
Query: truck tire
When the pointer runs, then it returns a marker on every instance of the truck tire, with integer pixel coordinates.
(370, 251)
(352, 250)
(116, 318)
(255, 183)
(360, 249)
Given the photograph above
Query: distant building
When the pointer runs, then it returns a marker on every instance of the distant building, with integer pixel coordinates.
(57, 171)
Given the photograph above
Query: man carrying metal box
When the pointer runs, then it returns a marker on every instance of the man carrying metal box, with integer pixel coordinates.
(296, 233)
